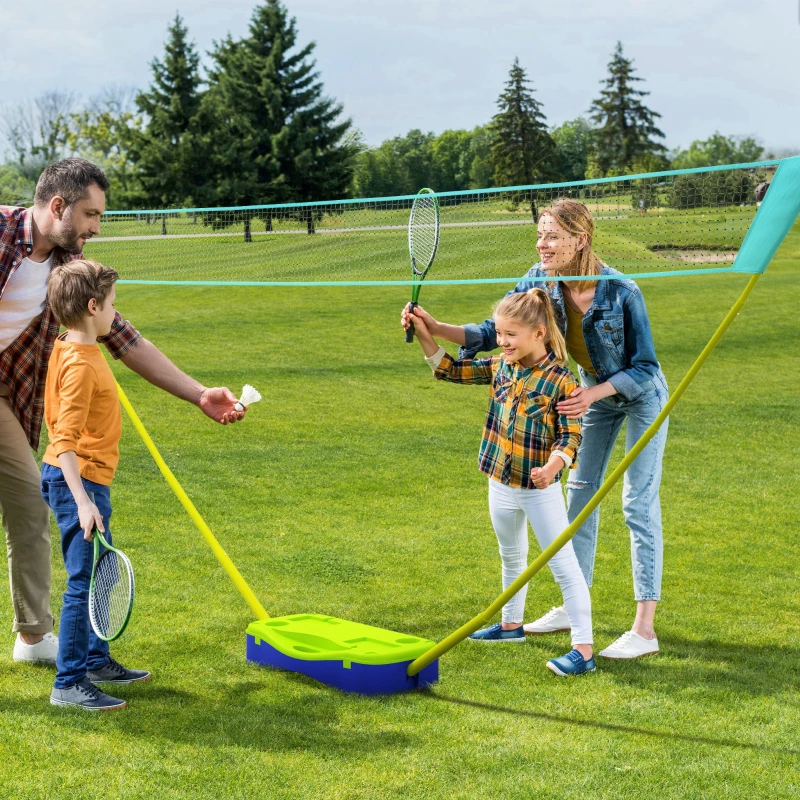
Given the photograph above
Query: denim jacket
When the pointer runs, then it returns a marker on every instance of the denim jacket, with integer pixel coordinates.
(616, 330)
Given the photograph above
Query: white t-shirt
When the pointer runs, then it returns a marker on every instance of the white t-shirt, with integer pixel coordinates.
(23, 298)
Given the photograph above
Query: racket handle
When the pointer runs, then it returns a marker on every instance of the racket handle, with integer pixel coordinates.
(410, 331)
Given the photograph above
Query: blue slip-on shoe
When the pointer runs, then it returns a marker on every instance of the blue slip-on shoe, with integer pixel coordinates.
(495, 633)
(573, 663)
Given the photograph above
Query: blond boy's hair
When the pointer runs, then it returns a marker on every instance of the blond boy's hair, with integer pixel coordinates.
(71, 286)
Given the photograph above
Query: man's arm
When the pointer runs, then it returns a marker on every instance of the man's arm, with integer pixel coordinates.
(145, 359)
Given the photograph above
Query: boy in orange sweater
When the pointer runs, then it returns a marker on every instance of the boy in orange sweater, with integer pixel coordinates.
(84, 422)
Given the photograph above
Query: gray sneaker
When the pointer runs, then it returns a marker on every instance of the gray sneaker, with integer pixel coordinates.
(114, 672)
(87, 696)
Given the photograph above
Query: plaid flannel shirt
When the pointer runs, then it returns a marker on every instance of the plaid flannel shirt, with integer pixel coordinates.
(523, 428)
(23, 364)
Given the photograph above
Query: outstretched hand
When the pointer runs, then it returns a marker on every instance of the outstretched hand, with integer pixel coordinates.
(219, 403)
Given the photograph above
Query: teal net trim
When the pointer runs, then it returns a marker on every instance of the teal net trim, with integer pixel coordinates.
(681, 222)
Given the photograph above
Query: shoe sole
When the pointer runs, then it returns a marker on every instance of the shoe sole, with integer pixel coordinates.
(556, 671)
(543, 633)
(629, 658)
(87, 708)
(111, 680)
(50, 663)
(498, 641)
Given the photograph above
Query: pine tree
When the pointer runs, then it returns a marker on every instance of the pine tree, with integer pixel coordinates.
(626, 128)
(523, 151)
(272, 134)
(170, 165)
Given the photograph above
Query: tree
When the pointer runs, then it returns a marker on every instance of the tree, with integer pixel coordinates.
(625, 128)
(450, 161)
(399, 166)
(573, 141)
(271, 135)
(38, 131)
(481, 172)
(718, 149)
(167, 151)
(103, 133)
(15, 188)
(523, 151)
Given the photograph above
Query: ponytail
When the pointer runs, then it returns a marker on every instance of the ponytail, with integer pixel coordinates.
(532, 309)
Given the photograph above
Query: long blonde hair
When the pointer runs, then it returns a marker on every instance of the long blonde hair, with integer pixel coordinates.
(533, 309)
(576, 219)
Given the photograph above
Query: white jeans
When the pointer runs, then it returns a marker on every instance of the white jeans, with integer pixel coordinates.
(545, 510)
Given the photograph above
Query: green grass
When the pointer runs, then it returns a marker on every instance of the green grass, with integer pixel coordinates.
(352, 490)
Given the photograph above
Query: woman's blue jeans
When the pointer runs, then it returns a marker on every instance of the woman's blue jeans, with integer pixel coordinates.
(79, 648)
(640, 499)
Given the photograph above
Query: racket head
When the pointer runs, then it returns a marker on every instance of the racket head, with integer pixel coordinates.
(111, 590)
(423, 231)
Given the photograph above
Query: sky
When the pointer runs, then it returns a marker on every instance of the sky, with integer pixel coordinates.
(726, 65)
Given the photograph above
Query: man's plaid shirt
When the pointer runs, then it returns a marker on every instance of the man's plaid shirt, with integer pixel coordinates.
(523, 428)
(23, 364)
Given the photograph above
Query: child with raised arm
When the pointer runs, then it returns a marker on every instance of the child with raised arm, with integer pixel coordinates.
(526, 445)
(84, 423)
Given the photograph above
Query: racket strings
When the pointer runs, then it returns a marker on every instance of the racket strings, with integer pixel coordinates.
(423, 232)
(110, 599)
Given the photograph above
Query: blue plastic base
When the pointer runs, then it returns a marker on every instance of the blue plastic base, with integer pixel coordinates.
(358, 678)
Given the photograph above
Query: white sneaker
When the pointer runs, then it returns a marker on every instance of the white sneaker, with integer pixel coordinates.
(631, 645)
(43, 652)
(556, 619)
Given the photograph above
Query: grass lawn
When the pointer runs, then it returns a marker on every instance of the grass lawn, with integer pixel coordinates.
(352, 490)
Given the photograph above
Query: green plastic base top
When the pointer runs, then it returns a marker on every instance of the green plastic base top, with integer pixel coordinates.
(316, 637)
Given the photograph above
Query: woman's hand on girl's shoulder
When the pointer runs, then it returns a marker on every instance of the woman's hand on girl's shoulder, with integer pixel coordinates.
(577, 404)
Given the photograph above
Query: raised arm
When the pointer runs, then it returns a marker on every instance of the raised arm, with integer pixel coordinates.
(444, 367)
(472, 338)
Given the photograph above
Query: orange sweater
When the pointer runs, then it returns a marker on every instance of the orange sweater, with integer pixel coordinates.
(81, 410)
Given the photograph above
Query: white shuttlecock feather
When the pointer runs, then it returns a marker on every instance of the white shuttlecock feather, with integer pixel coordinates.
(248, 396)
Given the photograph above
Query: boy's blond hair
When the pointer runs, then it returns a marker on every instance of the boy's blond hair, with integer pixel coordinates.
(71, 286)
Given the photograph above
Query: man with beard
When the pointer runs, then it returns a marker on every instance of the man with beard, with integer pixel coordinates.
(69, 199)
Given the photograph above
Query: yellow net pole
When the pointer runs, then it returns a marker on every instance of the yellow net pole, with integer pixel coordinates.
(228, 565)
(476, 622)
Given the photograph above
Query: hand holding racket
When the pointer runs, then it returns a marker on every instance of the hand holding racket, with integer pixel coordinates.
(111, 589)
(423, 241)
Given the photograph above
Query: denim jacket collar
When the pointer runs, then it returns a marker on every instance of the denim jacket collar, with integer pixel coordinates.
(601, 301)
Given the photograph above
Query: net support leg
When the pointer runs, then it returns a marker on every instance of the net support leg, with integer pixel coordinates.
(223, 558)
(464, 631)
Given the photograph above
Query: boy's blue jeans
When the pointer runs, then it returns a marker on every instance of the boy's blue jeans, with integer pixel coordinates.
(79, 648)
(640, 495)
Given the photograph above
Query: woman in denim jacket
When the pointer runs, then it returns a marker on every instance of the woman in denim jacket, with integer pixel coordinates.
(608, 334)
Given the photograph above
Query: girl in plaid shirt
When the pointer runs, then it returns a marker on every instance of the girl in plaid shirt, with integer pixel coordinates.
(526, 445)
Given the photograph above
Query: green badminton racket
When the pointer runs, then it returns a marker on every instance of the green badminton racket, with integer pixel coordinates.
(111, 589)
(423, 241)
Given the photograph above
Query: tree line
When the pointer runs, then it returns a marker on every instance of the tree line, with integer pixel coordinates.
(254, 126)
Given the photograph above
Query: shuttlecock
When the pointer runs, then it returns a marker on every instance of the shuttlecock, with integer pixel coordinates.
(249, 396)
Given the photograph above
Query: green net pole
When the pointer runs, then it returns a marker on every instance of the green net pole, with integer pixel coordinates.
(476, 622)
